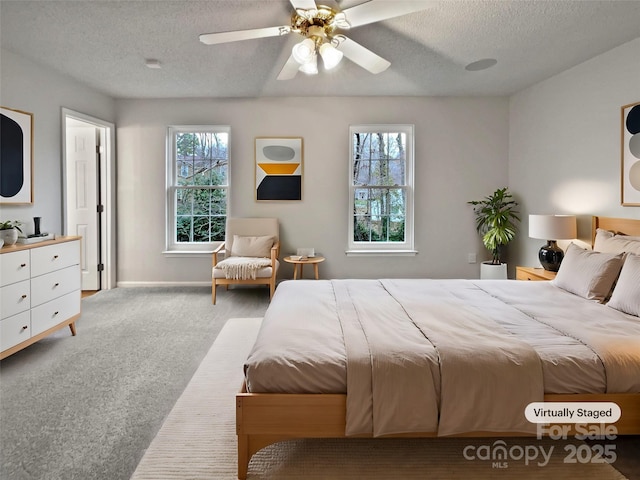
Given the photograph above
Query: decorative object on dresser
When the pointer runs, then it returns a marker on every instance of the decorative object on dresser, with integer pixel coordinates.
(536, 274)
(630, 151)
(40, 291)
(495, 221)
(552, 228)
(9, 231)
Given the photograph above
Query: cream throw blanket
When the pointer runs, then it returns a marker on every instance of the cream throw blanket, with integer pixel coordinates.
(242, 268)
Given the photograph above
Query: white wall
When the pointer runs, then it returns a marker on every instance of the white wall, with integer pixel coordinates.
(27, 86)
(564, 143)
(461, 154)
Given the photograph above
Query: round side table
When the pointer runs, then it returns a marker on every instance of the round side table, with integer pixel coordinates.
(301, 263)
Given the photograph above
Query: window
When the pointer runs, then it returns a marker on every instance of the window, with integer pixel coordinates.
(197, 187)
(381, 189)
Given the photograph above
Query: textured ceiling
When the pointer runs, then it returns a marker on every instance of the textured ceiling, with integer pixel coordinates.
(105, 43)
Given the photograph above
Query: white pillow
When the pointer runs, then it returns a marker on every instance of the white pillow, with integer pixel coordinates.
(626, 295)
(251, 246)
(608, 242)
(589, 274)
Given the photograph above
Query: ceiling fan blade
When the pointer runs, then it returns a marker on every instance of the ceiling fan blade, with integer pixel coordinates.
(303, 4)
(361, 55)
(289, 70)
(225, 37)
(378, 10)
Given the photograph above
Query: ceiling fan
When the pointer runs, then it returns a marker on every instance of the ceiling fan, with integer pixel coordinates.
(319, 25)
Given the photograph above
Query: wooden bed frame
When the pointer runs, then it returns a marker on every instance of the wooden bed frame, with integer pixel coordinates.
(266, 418)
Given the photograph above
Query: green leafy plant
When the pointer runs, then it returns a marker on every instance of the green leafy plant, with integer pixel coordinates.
(9, 224)
(496, 218)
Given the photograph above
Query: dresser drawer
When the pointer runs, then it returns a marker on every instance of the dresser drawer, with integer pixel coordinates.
(14, 267)
(54, 257)
(50, 314)
(15, 330)
(15, 298)
(55, 284)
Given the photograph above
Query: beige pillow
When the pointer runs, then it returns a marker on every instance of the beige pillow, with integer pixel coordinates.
(626, 295)
(251, 246)
(588, 274)
(608, 242)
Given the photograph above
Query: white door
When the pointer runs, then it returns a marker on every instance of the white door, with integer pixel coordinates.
(82, 218)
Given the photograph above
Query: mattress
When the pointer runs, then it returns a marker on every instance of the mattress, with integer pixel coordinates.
(567, 344)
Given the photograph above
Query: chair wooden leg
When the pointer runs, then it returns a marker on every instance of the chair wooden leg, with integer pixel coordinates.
(213, 292)
(72, 327)
(272, 289)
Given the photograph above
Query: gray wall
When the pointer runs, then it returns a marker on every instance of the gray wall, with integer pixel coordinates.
(564, 144)
(27, 86)
(465, 148)
(461, 154)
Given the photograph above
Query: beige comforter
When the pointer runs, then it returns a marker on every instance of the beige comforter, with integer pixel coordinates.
(446, 356)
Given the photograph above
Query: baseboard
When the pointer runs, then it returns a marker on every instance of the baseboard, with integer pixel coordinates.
(162, 284)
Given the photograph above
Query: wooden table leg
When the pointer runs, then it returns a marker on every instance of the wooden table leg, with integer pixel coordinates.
(315, 269)
(295, 271)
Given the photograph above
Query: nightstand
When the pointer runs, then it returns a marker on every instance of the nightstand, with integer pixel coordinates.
(536, 274)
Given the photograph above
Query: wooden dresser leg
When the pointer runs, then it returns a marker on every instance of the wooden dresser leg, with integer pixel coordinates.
(72, 327)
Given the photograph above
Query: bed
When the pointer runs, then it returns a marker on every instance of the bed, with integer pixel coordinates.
(436, 375)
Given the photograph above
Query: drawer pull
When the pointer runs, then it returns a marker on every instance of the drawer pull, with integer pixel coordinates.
(55, 313)
(24, 327)
(23, 297)
(22, 265)
(55, 257)
(55, 285)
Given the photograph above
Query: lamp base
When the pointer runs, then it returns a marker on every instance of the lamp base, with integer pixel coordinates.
(551, 256)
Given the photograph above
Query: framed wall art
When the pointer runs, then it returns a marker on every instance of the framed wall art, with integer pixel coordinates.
(16, 156)
(278, 168)
(630, 151)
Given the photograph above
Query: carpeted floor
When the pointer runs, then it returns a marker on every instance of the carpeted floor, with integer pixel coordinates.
(198, 441)
(87, 407)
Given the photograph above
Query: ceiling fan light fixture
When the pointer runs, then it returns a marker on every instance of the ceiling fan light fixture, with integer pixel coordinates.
(304, 51)
(331, 56)
(311, 67)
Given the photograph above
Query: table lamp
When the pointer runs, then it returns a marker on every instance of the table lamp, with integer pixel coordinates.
(552, 228)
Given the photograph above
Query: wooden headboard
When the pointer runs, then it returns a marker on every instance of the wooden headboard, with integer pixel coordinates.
(625, 226)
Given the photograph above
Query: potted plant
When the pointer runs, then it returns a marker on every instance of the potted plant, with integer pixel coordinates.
(9, 231)
(496, 218)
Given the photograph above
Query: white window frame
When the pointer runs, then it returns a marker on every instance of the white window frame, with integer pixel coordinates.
(171, 246)
(384, 248)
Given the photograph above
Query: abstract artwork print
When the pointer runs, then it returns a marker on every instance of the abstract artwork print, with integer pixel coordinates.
(278, 168)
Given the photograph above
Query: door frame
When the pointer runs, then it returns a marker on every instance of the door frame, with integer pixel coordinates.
(107, 191)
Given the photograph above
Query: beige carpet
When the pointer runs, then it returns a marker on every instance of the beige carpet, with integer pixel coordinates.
(197, 440)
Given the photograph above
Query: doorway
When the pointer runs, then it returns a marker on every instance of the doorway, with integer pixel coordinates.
(89, 195)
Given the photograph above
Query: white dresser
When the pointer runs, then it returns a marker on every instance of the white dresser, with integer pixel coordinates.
(40, 291)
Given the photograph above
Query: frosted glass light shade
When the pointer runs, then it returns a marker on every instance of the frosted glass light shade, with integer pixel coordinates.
(553, 227)
(304, 51)
(331, 56)
(311, 67)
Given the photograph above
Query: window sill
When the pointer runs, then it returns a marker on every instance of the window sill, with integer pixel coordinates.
(381, 253)
(187, 253)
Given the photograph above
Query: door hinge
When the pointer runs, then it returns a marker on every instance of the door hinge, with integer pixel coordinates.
(100, 208)
(101, 267)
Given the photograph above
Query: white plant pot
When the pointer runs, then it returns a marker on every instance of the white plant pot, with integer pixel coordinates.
(493, 272)
(9, 236)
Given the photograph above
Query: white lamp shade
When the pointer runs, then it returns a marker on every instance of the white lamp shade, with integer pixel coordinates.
(311, 67)
(304, 51)
(331, 56)
(553, 227)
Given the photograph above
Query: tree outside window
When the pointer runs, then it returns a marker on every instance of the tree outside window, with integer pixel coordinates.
(381, 187)
(198, 193)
